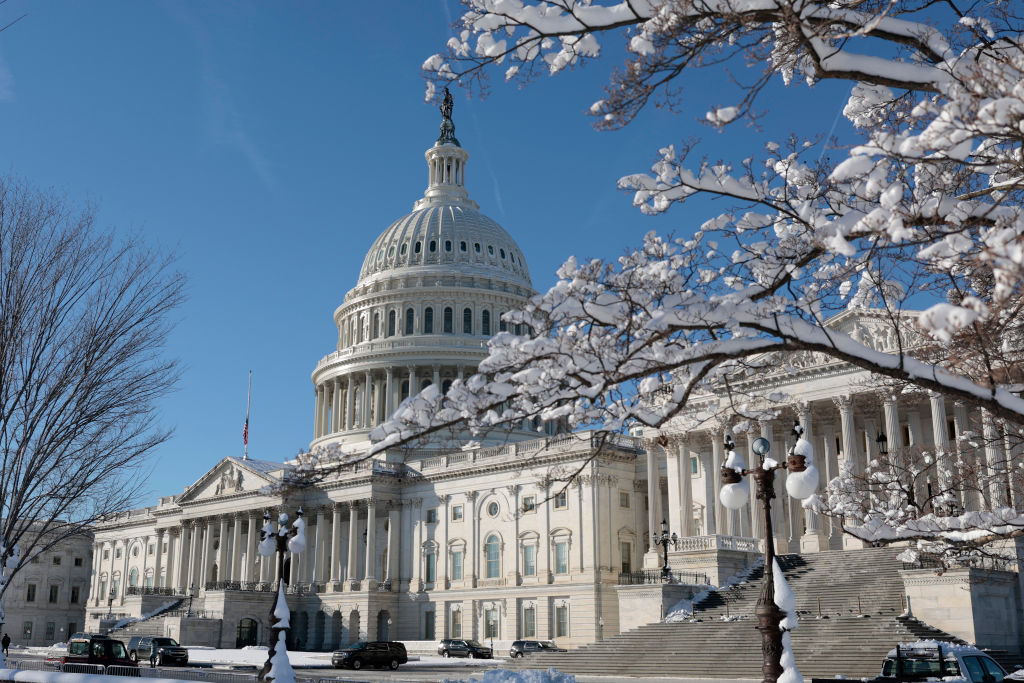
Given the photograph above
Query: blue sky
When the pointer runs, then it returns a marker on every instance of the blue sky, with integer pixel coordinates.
(268, 144)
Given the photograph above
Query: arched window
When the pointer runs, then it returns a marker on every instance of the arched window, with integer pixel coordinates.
(485, 323)
(447, 245)
(376, 326)
(409, 317)
(476, 247)
(428, 321)
(424, 384)
(391, 323)
(433, 246)
(448, 320)
(462, 246)
(405, 248)
(502, 325)
(133, 578)
(405, 389)
(446, 385)
(467, 321)
(492, 551)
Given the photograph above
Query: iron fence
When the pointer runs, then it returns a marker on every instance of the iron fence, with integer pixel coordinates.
(150, 590)
(645, 576)
(990, 562)
(249, 586)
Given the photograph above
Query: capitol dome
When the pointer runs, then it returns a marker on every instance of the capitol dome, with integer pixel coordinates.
(432, 290)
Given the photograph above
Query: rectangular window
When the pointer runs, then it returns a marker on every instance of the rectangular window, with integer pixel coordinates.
(428, 625)
(151, 550)
(561, 500)
(117, 553)
(51, 631)
(529, 504)
(694, 466)
(623, 499)
(456, 513)
(74, 595)
(561, 557)
(432, 516)
(106, 553)
(56, 560)
(431, 569)
(78, 562)
(457, 565)
(54, 593)
(562, 621)
(529, 622)
(30, 593)
(456, 624)
(26, 631)
(951, 429)
(626, 553)
(491, 623)
(529, 560)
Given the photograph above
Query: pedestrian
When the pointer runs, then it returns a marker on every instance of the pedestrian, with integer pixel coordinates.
(6, 643)
(152, 655)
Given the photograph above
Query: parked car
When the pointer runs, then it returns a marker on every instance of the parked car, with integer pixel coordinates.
(168, 651)
(932, 660)
(450, 647)
(525, 647)
(97, 650)
(375, 653)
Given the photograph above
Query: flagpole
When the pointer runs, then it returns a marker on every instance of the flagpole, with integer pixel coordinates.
(245, 433)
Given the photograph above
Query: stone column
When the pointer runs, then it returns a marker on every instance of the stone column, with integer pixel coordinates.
(849, 456)
(193, 556)
(371, 541)
(317, 394)
(97, 569)
(995, 466)
(940, 437)
(893, 433)
(353, 541)
(813, 540)
(236, 548)
(653, 495)
(831, 465)
(251, 541)
(474, 532)
(437, 377)
(673, 467)
(394, 527)
(686, 486)
(718, 459)
(707, 463)
(389, 392)
(158, 561)
(412, 381)
(416, 528)
(966, 460)
(544, 549)
(335, 405)
(335, 566)
(350, 404)
(224, 553)
(443, 570)
(367, 421)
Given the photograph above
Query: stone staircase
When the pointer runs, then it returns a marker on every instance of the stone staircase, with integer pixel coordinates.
(857, 592)
(152, 626)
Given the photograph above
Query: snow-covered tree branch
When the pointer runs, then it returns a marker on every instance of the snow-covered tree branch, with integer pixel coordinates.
(924, 212)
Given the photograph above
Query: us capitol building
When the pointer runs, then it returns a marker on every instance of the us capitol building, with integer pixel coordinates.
(486, 540)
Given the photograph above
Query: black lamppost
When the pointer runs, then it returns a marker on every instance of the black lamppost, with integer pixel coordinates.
(883, 444)
(664, 540)
(733, 496)
(280, 541)
(110, 602)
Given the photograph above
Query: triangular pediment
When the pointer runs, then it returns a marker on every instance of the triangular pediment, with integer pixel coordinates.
(233, 476)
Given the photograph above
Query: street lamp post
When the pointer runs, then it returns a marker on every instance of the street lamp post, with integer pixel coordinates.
(280, 541)
(734, 495)
(664, 540)
(110, 603)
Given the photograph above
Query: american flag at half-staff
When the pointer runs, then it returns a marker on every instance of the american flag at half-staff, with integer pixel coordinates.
(245, 429)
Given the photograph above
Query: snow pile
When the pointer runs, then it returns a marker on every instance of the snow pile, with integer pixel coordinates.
(280, 666)
(802, 485)
(786, 601)
(525, 676)
(734, 496)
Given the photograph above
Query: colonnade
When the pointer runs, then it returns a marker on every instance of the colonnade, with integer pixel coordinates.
(844, 431)
(364, 399)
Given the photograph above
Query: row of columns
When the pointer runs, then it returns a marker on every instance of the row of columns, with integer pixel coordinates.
(191, 555)
(801, 529)
(362, 400)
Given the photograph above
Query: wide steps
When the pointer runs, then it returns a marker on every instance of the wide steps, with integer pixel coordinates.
(860, 602)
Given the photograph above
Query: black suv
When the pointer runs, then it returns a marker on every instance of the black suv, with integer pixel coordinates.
(525, 647)
(450, 647)
(157, 650)
(376, 654)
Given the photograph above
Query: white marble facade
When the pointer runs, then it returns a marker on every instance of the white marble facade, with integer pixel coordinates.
(479, 542)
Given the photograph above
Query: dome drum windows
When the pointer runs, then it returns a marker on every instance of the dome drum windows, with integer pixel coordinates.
(448, 313)
(485, 323)
(467, 321)
(391, 323)
(433, 246)
(447, 245)
(428, 320)
(417, 248)
(463, 248)
(410, 317)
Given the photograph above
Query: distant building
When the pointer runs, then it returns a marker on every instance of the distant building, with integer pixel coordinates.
(45, 602)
